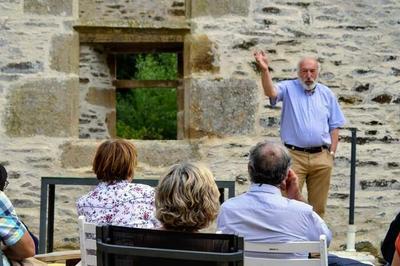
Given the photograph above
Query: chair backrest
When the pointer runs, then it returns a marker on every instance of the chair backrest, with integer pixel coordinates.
(120, 246)
(256, 254)
(87, 235)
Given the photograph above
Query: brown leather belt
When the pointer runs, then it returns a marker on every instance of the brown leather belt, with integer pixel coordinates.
(309, 150)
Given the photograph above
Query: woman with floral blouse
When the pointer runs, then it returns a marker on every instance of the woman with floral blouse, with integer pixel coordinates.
(116, 200)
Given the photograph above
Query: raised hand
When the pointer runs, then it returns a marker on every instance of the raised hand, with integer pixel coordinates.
(261, 59)
(292, 186)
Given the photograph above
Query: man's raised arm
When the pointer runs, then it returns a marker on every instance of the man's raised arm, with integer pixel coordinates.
(266, 80)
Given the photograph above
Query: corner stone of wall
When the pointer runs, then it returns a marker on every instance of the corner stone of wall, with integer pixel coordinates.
(166, 153)
(64, 53)
(111, 122)
(223, 107)
(219, 8)
(80, 154)
(203, 57)
(43, 107)
(49, 7)
(101, 96)
(77, 154)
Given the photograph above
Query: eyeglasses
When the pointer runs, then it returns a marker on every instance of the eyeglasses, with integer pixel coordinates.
(6, 184)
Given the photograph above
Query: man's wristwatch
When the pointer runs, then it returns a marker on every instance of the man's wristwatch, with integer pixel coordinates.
(332, 153)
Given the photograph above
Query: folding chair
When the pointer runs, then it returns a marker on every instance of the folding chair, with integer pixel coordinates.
(256, 254)
(87, 237)
(86, 256)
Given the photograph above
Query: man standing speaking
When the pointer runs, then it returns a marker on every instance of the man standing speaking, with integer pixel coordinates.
(310, 122)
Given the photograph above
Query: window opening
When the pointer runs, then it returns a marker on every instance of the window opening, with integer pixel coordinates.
(146, 95)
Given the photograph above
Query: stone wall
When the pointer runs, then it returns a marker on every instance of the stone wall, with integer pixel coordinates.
(135, 11)
(97, 95)
(57, 100)
(356, 45)
(39, 87)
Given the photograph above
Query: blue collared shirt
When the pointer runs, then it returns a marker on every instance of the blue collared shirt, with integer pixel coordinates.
(307, 119)
(263, 215)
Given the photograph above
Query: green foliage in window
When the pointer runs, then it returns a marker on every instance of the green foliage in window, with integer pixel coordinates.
(147, 113)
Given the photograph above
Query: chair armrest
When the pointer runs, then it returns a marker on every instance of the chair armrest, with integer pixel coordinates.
(59, 256)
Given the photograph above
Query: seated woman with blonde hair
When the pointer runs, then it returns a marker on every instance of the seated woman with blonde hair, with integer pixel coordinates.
(116, 200)
(187, 198)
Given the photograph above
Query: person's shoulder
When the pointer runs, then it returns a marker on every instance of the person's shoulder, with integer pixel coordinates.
(138, 188)
(82, 199)
(235, 202)
(325, 89)
(305, 211)
(5, 201)
(2, 195)
(300, 206)
(287, 82)
(397, 218)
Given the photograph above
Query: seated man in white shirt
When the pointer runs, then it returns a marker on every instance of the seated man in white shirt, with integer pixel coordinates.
(263, 215)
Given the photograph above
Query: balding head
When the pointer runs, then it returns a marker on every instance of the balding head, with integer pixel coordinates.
(269, 163)
(307, 60)
(308, 71)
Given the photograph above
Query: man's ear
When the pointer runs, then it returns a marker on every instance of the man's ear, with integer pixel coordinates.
(286, 175)
(283, 182)
(250, 168)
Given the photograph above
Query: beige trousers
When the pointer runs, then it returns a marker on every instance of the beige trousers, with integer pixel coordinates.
(315, 170)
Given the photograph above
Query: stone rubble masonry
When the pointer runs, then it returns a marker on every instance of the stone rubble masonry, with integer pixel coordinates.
(97, 95)
(51, 124)
(25, 51)
(12, 7)
(135, 11)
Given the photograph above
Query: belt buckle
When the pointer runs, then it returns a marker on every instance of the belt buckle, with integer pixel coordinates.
(316, 149)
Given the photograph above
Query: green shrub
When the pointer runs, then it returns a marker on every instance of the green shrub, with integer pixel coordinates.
(147, 113)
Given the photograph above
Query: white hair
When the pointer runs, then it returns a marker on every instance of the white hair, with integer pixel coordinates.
(309, 57)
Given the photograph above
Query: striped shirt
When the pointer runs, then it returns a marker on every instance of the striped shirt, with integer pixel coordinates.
(11, 228)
